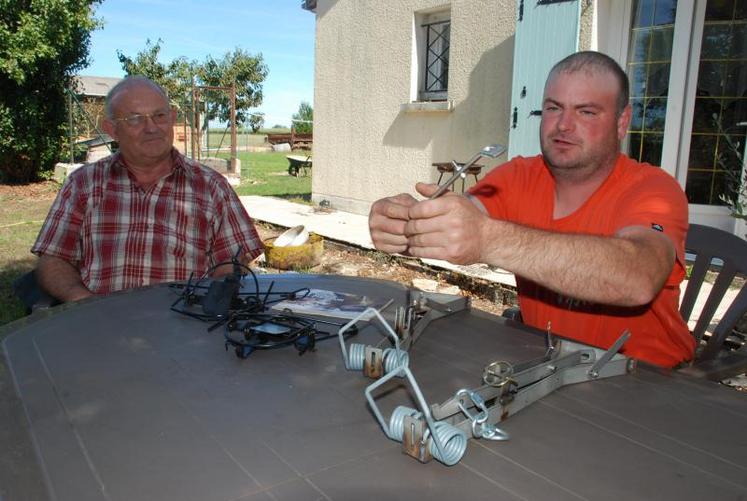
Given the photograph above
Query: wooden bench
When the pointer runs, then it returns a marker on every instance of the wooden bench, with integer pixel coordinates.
(296, 140)
(296, 163)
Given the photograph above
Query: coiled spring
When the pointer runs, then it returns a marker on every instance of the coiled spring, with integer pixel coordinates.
(453, 440)
(357, 357)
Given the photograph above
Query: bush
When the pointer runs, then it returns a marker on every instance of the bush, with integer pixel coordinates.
(44, 42)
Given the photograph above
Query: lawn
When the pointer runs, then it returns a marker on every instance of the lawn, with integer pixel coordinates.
(267, 174)
(23, 209)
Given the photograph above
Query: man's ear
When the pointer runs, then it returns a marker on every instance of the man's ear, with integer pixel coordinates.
(110, 128)
(623, 121)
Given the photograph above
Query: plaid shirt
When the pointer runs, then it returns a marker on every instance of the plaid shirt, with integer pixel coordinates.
(120, 236)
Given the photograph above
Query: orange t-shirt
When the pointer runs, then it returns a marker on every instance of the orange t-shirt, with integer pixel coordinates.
(523, 191)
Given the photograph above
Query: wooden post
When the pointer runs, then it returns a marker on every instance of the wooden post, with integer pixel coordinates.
(71, 125)
(198, 137)
(194, 118)
(232, 168)
(184, 117)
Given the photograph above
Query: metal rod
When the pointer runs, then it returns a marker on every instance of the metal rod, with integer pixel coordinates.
(490, 151)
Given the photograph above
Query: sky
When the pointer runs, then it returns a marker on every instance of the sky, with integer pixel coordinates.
(278, 29)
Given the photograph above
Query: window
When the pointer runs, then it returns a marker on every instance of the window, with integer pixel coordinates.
(690, 57)
(720, 103)
(436, 79)
(434, 34)
(649, 61)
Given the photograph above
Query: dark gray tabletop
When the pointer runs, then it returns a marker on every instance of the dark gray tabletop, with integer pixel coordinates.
(121, 399)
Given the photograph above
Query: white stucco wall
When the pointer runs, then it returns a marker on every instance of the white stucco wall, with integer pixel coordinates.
(365, 147)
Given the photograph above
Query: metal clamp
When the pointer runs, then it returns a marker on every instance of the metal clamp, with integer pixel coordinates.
(444, 441)
(512, 389)
(480, 427)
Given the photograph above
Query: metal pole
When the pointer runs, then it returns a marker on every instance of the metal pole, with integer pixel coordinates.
(233, 129)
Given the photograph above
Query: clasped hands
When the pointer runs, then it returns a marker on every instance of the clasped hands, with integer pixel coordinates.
(448, 228)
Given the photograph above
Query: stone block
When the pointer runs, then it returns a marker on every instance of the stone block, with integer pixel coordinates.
(63, 170)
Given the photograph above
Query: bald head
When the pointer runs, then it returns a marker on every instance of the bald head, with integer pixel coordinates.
(127, 84)
(595, 62)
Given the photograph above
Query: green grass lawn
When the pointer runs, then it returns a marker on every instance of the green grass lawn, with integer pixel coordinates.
(21, 217)
(266, 174)
(23, 210)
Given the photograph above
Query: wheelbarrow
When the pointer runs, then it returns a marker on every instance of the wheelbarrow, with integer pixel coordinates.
(296, 163)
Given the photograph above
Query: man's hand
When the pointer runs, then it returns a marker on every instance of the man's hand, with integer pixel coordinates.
(387, 221)
(449, 227)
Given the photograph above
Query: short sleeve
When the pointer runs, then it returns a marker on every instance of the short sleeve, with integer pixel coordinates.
(234, 228)
(60, 234)
(657, 201)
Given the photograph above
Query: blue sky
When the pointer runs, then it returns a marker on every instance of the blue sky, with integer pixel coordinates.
(278, 29)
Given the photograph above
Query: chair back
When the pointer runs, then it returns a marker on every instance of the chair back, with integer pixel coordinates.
(707, 244)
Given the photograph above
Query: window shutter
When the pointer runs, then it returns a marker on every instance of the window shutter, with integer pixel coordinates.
(546, 32)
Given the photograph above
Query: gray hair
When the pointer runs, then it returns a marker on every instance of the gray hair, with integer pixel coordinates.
(126, 83)
(595, 62)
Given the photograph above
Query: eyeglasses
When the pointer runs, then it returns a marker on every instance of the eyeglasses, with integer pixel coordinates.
(160, 117)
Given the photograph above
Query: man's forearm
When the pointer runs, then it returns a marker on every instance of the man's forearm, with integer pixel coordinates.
(626, 270)
(60, 279)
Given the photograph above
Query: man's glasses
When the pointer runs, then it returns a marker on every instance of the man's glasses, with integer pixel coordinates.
(160, 117)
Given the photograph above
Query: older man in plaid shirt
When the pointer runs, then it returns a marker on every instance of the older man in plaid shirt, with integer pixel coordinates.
(143, 215)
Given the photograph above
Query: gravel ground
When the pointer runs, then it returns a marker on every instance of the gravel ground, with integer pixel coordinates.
(340, 259)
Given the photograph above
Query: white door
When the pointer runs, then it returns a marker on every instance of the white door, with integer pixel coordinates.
(546, 32)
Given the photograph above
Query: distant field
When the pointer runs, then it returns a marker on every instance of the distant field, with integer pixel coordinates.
(221, 138)
(216, 139)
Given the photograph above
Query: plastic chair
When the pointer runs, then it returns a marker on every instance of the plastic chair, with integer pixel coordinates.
(720, 354)
(33, 297)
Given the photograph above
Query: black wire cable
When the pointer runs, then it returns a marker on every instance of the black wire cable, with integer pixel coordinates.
(190, 297)
(247, 325)
(302, 333)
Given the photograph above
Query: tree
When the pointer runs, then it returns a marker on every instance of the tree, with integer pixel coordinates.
(246, 71)
(256, 121)
(42, 44)
(303, 121)
(175, 77)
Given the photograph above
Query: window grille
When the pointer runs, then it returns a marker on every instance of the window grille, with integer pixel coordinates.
(436, 78)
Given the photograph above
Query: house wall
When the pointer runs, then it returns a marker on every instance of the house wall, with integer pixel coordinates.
(365, 146)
